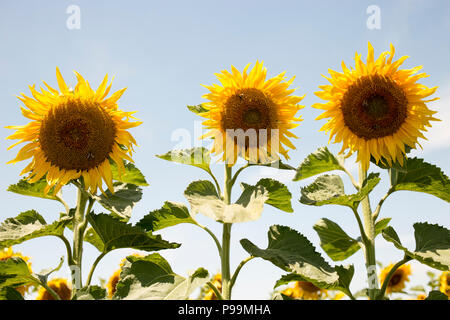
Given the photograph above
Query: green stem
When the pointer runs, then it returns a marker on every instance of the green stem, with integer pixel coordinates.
(79, 226)
(94, 265)
(389, 276)
(215, 180)
(219, 246)
(51, 291)
(216, 292)
(226, 236)
(68, 248)
(369, 243)
(238, 269)
(376, 213)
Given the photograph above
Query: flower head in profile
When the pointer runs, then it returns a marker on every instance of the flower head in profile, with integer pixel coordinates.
(114, 279)
(8, 253)
(60, 286)
(398, 279)
(74, 133)
(376, 109)
(250, 116)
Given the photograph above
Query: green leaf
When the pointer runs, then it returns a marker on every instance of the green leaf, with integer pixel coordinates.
(436, 295)
(292, 252)
(197, 157)
(14, 272)
(278, 194)
(90, 293)
(334, 241)
(132, 175)
(116, 234)
(29, 225)
(322, 160)
(121, 203)
(197, 109)
(93, 238)
(35, 189)
(9, 293)
(169, 215)
(432, 245)
(421, 176)
(203, 198)
(152, 278)
(329, 189)
(381, 224)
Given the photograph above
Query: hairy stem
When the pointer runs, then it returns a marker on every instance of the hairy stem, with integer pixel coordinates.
(226, 236)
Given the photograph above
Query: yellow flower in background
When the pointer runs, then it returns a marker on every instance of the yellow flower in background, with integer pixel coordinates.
(217, 282)
(444, 281)
(421, 296)
(398, 279)
(60, 286)
(247, 102)
(74, 133)
(8, 253)
(376, 109)
(305, 290)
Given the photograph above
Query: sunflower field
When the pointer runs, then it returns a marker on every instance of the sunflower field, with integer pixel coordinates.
(103, 209)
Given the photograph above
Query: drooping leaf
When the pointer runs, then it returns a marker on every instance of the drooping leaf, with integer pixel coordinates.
(169, 215)
(121, 203)
(320, 161)
(432, 245)
(334, 241)
(132, 175)
(116, 234)
(203, 198)
(278, 194)
(35, 189)
(292, 252)
(197, 157)
(329, 189)
(421, 176)
(152, 278)
(29, 225)
(197, 109)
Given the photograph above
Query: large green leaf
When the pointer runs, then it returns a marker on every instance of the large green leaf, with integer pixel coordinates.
(131, 175)
(203, 198)
(421, 176)
(169, 215)
(116, 234)
(334, 241)
(432, 244)
(35, 189)
(90, 293)
(329, 189)
(292, 252)
(14, 272)
(278, 194)
(436, 295)
(9, 293)
(29, 225)
(121, 203)
(152, 278)
(322, 160)
(197, 157)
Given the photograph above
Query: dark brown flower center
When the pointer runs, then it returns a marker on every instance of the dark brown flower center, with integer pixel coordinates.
(396, 278)
(77, 135)
(374, 107)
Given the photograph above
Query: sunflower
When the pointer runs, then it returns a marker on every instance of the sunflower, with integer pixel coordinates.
(74, 133)
(376, 109)
(250, 116)
(217, 282)
(7, 253)
(305, 290)
(398, 279)
(60, 286)
(444, 281)
(421, 296)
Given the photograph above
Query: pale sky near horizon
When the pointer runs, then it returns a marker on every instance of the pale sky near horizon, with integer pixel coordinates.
(162, 51)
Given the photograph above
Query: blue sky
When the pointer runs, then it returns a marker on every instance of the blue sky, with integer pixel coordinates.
(162, 51)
